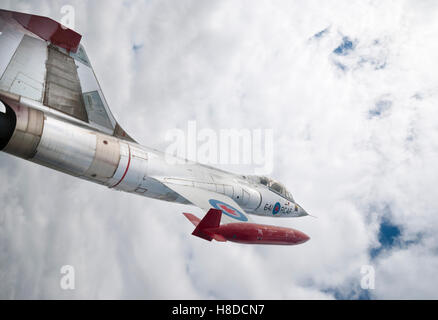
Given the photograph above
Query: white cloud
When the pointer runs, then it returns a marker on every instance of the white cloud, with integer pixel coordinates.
(254, 65)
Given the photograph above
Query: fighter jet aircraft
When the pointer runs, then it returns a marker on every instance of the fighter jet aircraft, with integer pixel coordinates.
(53, 113)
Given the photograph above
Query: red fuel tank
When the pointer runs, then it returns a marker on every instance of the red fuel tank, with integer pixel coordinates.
(209, 228)
(251, 233)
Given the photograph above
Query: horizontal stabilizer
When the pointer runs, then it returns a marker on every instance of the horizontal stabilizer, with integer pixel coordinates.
(193, 219)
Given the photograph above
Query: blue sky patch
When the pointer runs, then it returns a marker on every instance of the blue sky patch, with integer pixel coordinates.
(321, 33)
(388, 233)
(345, 47)
(350, 292)
(389, 237)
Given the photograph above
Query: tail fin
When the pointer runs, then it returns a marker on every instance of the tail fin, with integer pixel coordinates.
(211, 220)
(52, 69)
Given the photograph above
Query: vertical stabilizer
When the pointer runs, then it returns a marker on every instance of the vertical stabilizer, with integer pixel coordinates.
(211, 220)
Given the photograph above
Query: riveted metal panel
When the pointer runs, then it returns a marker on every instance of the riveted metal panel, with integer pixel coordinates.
(96, 110)
(66, 147)
(136, 170)
(220, 188)
(95, 103)
(229, 191)
(63, 89)
(26, 71)
(123, 166)
(10, 38)
(120, 133)
(106, 159)
(205, 186)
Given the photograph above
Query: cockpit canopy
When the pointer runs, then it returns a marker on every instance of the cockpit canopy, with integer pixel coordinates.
(273, 185)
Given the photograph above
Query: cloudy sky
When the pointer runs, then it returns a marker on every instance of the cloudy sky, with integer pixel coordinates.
(350, 89)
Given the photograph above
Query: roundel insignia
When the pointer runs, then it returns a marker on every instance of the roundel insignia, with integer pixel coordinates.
(277, 208)
(228, 210)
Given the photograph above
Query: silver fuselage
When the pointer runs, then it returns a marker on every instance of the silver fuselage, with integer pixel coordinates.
(58, 141)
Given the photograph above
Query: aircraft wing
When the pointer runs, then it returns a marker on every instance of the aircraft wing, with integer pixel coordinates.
(43, 64)
(206, 200)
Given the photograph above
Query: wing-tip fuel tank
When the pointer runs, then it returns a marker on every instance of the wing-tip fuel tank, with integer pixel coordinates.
(209, 228)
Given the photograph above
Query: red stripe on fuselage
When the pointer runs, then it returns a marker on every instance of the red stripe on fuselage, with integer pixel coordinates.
(126, 170)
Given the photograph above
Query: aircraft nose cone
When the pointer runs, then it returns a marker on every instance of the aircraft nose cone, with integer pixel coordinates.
(302, 237)
(301, 211)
